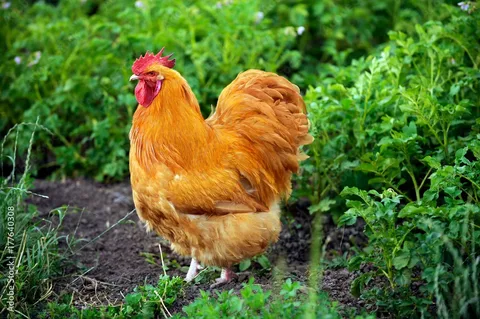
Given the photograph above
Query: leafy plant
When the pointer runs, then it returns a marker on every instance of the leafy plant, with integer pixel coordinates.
(400, 131)
(376, 120)
(254, 302)
(337, 31)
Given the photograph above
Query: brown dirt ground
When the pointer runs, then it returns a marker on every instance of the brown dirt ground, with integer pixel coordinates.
(110, 267)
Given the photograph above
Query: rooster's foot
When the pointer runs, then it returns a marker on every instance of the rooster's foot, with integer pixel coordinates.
(193, 270)
(226, 276)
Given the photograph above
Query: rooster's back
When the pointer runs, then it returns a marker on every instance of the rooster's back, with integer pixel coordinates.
(267, 115)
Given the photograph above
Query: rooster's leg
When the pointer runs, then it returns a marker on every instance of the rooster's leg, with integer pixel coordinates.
(192, 270)
(226, 276)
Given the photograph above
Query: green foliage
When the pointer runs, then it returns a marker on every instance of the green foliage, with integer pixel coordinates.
(251, 302)
(400, 130)
(145, 302)
(254, 302)
(76, 59)
(397, 135)
(69, 64)
(377, 120)
(424, 243)
(261, 260)
(340, 30)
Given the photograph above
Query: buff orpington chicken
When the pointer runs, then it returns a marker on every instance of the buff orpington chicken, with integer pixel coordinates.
(213, 187)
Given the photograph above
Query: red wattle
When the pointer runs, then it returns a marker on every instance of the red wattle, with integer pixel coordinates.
(146, 92)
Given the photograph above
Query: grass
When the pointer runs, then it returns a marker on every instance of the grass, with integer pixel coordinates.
(144, 302)
(29, 242)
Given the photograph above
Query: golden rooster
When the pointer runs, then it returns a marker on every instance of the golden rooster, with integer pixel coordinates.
(212, 187)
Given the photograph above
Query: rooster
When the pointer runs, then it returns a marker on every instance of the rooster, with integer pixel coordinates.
(212, 187)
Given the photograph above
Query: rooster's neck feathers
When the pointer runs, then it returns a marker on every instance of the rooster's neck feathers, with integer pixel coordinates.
(171, 129)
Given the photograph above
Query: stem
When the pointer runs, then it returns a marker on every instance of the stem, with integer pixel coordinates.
(397, 246)
(316, 270)
(325, 190)
(468, 179)
(365, 102)
(332, 183)
(445, 141)
(432, 66)
(417, 191)
(388, 273)
(410, 172)
(425, 178)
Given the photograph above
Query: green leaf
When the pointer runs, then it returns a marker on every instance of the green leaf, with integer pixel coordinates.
(404, 277)
(355, 262)
(245, 264)
(264, 262)
(420, 30)
(454, 229)
(359, 283)
(410, 130)
(347, 219)
(432, 162)
(133, 299)
(337, 87)
(322, 206)
(354, 191)
(401, 259)
(411, 210)
(454, 89)
(460, 156)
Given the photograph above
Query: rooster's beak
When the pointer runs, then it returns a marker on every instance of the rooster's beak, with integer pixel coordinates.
(134, 77)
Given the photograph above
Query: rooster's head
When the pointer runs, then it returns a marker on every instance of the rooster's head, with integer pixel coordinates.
(151, 70)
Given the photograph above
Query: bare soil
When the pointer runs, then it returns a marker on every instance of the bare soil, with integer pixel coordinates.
(109, 262)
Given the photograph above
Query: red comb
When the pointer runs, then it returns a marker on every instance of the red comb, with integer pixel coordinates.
(143, 62)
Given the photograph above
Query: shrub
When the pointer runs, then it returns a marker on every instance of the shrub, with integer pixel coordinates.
(337, 31)
(400, 130)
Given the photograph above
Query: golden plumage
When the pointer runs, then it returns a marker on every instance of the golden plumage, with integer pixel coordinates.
(212, 187)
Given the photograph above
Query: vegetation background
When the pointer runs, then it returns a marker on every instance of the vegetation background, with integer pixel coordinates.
(392, 90)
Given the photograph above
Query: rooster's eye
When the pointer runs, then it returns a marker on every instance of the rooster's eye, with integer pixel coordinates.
(151, 73)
